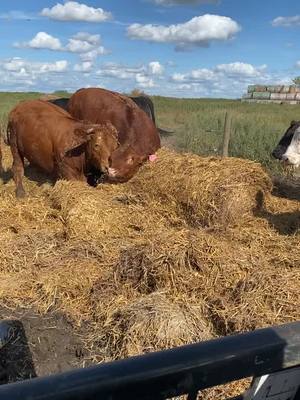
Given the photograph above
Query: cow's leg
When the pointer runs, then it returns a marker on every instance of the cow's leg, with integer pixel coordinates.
(18, 169)
(65, 171)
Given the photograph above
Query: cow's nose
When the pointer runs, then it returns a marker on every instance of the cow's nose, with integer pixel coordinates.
(112, 172)
(285, 158)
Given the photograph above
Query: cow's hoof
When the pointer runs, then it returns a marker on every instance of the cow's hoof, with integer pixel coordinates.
(20, 193)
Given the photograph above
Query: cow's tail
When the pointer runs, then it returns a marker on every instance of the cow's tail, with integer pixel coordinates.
(164, 132)
(7, 135)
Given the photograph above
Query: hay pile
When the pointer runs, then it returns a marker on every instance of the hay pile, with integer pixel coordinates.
(204, 191)
(191, 248)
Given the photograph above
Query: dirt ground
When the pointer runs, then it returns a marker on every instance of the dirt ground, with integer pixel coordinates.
(42, 346)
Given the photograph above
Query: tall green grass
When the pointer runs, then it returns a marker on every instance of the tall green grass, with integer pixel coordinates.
(199, 125)
(8, 100)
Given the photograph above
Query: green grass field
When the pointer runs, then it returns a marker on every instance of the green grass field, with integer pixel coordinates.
(199, 124)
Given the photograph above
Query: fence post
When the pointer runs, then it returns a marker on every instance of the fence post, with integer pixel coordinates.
(227, 132)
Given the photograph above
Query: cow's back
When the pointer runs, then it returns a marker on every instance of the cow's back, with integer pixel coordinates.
(145, 104)
(40, 128)
(101, 105)
(61, 102)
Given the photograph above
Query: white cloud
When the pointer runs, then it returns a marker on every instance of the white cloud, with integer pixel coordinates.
(74, 11)
(183, 2)
(177, 77)
(141, 76)
(57, 66)
(13, 65)
(114, 70)
(156, 68)
(86, 37)
(79, 46)
(223, 80)
(25, 68)
(93, 54)
(83, 43)
(42, 40)
(199, 31)
(236, 70)
(85, 66)
(240, 68)
(144, 81)
(23, 75)
(88, 46)
(202, 74)
(286, 21)
(298, 64)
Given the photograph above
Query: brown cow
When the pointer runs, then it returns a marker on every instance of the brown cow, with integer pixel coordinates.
(51, 139)
(137, 133)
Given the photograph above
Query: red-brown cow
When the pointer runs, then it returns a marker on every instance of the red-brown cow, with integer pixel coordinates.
(51, 139)
(137, 133)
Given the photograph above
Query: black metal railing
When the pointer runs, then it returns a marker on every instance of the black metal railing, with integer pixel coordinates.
(166, 374)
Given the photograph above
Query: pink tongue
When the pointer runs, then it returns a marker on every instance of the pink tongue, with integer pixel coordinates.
(152, 157)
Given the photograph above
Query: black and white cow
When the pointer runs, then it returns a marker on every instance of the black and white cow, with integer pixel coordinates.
(288, 148)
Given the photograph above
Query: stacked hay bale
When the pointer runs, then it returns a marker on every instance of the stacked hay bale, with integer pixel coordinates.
(279, 94)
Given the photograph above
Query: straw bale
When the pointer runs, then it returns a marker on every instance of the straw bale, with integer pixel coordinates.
(260, 88)
(247, 96)
(153, 322)
(290, 96)
(285, 89)
(205, 191)
(276, 101)
(261, 95)
(274, 89)
(278, 96)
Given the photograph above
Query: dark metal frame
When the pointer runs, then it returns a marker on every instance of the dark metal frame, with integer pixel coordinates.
(161, 375)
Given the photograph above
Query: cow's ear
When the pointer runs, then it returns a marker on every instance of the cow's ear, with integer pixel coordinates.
(112, 129)
(81, 137)
(295, 122)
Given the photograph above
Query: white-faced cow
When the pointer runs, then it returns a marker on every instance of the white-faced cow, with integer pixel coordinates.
(288, 148)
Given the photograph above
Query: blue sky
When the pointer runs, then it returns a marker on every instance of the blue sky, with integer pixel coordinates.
(182, 48)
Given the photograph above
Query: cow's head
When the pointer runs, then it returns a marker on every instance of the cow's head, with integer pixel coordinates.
(292, 154)
(285, 141)
(125, 162)
(98, 142)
